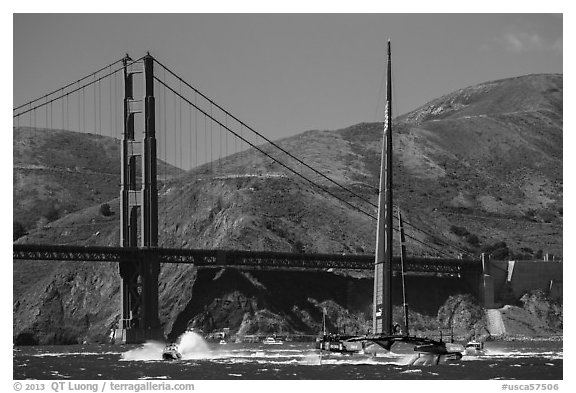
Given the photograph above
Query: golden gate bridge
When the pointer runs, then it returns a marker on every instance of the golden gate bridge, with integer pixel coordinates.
(135, 98)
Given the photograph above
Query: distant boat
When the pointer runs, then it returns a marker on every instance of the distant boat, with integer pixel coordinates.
(272, 341)
(223, 342)
(474, 348)
(171, 352)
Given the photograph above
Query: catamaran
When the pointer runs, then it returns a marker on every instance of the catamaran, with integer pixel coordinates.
(425, 351)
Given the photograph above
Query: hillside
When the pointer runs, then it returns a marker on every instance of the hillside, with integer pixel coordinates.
(57, 172)
(486, 159)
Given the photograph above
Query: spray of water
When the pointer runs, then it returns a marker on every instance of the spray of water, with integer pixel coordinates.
(190, 344)
(193, 346)
(151, 350)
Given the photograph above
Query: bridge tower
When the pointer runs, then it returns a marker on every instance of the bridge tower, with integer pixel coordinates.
(139, 275)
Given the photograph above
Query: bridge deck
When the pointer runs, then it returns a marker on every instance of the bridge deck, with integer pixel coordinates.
(236, 258)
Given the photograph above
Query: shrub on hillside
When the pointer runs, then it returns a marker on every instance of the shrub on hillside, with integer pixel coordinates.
(498, 250)
(51, 214)
(501, 254)
(473, 240)
(18, 230)
(105, 210)
(459, 231)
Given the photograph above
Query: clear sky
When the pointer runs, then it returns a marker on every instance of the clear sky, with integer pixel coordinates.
(287, 73)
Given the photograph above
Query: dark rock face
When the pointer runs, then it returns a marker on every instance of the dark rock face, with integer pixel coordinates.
(486, 159)
(549, 311)
(462, 313)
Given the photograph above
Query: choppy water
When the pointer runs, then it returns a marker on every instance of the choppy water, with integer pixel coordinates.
(202, 361)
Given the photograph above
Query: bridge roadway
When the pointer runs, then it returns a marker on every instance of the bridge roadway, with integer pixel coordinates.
(238, 258)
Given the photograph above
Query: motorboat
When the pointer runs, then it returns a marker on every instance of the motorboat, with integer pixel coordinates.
(474, 348)
(171, 352)
(223, 342)
(272, 341)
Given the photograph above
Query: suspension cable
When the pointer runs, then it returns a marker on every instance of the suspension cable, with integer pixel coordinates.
(71, 91)
(263, 137)
(68, 85)
(213, 104)
(265, 153)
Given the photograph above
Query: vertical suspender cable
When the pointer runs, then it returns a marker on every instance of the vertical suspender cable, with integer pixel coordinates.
(83, 110)
(190, 136)
(78, 112)
(94, 89)
(165, 142)
(174, 119)
(196, 130)
(165, 131)
(242, 148)
(110, 103)
(99, 108)
(116, 101)
(219, 147)
(211, 139)
(180, 117)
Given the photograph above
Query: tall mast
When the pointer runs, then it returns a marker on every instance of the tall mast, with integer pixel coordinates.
(382, 312)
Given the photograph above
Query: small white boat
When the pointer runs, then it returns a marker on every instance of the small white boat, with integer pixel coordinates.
(474, 348)
(223, 342)
(272, 341)
(171, 352)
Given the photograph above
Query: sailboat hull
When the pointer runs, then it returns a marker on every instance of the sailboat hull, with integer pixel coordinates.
(340, 344)
(432, 359)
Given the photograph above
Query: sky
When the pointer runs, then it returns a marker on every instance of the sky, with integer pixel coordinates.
(284, 74)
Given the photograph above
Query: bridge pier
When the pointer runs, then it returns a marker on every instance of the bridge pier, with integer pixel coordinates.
(139, 300)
